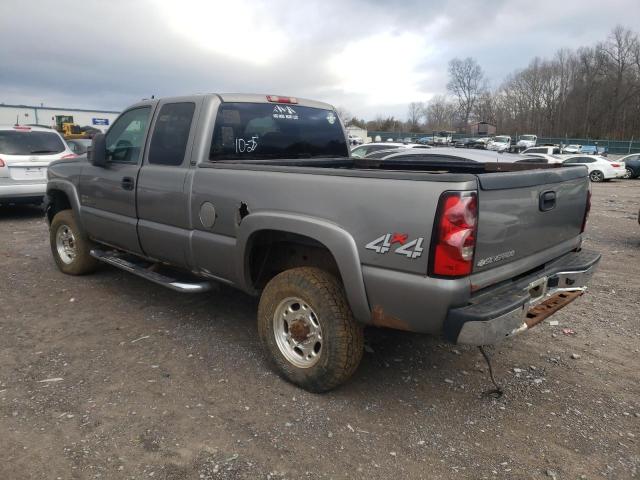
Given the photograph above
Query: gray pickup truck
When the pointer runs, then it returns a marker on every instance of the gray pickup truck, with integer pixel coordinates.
(260, 192)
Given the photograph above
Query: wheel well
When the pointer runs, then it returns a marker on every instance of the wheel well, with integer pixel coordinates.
(57, 201)
(271, 252)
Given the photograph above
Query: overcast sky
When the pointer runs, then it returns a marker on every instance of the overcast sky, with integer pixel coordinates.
(368, 56)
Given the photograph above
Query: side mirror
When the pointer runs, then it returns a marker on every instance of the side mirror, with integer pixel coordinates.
(97, 154)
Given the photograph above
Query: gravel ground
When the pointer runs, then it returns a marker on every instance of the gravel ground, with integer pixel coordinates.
(108, 376)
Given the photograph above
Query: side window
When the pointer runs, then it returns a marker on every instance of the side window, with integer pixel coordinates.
(536, 150)
(125, 138)
(171, 133)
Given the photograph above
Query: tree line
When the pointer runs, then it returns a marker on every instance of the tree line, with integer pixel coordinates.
(589, 92)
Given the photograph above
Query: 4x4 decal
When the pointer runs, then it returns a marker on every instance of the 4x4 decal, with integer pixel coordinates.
(411, 249)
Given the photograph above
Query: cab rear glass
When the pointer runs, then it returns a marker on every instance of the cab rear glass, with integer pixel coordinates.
(30, 143)
(256, 131)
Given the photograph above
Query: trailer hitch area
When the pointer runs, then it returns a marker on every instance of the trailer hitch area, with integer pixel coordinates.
(548, 307)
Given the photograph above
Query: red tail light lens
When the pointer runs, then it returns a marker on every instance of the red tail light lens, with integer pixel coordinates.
(587, 209)
(2, 164)
(615, 165)
(277, 99)
(454, 238)
(70, 155)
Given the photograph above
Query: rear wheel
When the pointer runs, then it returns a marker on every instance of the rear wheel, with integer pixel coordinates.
(629, 173)
(70, 246)
(307, 327)
(596, 176)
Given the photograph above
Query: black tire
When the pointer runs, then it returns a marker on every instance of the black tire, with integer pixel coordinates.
(596, 176)
(629, 173)
(342, 337)
(82, 262)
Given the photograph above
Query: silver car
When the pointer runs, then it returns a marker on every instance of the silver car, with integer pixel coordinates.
(25, 154)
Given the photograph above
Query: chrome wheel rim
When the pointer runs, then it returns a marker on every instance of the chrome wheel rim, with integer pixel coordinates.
(596, 176)
(298, 333)
(66, 244)
(629, 173)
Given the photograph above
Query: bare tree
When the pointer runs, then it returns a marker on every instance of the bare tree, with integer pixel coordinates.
(415, 114)
(440, 113)
(466, 82)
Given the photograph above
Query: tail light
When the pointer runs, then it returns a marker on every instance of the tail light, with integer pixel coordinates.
(69, 155)
(278, 99)
(454, 237)
(2, 164)
(616, 165)
(587, 209)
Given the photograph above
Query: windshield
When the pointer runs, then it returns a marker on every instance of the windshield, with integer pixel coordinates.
(501, 139)
(249, 131)
(527, 138)
(30, 143)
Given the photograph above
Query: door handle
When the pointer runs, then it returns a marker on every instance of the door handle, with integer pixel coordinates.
(127, 183)
(547, 201)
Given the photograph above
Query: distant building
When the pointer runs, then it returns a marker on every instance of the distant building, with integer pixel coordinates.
(55, 116)
(482, 129)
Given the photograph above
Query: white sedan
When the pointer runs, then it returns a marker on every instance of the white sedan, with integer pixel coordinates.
(600, 169)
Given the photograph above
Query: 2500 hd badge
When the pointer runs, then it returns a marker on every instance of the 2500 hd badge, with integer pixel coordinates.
(496, 258)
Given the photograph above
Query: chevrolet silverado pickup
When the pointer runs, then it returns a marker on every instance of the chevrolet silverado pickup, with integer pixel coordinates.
(261, 193)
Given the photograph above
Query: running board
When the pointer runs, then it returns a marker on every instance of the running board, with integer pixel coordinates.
(143, 269)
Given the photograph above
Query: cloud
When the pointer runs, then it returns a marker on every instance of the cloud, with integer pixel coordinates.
(369, 56)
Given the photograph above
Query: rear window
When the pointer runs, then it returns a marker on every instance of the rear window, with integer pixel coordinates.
(250, 131)
(30, 143)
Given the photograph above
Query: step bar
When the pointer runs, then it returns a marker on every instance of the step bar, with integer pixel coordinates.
(143, 269)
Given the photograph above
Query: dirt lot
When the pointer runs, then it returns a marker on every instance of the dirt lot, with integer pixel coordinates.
(108, 376)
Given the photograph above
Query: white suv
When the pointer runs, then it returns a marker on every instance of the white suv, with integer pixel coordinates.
(25, 154)
(501, 143)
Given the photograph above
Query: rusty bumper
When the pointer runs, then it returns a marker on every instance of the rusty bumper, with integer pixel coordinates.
(496, 315)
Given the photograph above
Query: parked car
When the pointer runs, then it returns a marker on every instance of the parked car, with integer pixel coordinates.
(600, 169)
(572, 149)
(499, 143)
(589, 150)
(480, 143)
(542, 158)
(280, 210)
(631, 164)
(25, 154)
(442, 138)
(362, 151)
(464, 143)
(526, 141)
(425, 140)
(79, 146)
(355, 140)
(545, 149)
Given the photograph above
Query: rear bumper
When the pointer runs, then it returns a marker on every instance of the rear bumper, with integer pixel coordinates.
(11, 189)
(498, 313)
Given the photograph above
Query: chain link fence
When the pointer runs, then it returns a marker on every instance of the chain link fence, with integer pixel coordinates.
(616, 147)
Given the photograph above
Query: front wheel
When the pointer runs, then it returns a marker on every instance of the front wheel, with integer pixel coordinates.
(628, 173)
(308, 330)
(70, 246)
(596, 176)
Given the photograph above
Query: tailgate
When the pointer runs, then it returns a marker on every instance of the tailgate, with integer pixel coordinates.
(526, 213)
